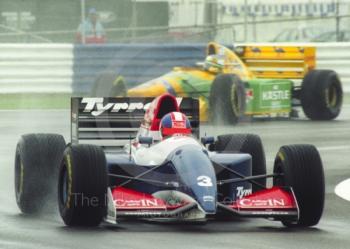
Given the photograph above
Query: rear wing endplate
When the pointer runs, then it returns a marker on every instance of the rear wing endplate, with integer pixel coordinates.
(280, 62)
(112, 122)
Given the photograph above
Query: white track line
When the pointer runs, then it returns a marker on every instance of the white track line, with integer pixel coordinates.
(343, 189)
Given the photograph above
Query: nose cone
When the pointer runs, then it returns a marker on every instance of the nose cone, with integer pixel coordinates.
(197, 173)
(204, 191)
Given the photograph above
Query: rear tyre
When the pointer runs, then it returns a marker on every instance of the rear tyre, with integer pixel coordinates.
(82, 185)
(302, 170)
(226, 99)
(109, 84)
(246, 143)
(321, 95)
(37, 160)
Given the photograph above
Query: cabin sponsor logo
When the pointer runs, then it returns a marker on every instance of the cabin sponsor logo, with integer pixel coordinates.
(97, 106)
(241, 192)
(275, 93)
(271, 202)
(142, 203)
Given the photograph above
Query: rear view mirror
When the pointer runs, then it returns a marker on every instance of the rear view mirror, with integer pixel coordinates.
(145, 140)
(207, 140)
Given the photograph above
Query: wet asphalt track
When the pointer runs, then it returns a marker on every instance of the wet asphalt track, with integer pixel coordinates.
(332, 139)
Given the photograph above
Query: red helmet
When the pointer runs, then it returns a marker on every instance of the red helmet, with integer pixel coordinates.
(175, 123)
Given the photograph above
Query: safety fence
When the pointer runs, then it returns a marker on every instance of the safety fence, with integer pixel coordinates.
(135, 62)
(336, 56)
(37, 68)
(68, 68)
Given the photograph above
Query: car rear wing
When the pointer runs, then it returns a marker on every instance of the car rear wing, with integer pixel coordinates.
(280, 62)
(113, 122)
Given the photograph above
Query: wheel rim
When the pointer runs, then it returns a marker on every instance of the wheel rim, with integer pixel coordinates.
(63, 191)
(332, 96)
(19, 175)
(234, 100)
(118, 87)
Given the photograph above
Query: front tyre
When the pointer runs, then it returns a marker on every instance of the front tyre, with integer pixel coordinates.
(300, 167)
(37, 160)
(82, 185)
(226, 99)
(109, 84)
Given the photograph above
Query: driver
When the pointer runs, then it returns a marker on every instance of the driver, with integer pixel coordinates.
(214, 63)
(175, 123)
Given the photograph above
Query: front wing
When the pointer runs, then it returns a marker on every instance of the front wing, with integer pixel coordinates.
(278, 203)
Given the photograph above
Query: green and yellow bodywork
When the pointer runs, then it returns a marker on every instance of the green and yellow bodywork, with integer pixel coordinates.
(267, 72)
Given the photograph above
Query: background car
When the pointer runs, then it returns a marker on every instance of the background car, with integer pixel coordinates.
(299, 34)
(248, 81)
(344, 36)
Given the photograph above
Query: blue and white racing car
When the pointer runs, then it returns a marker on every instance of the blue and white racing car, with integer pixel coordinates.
(143, 158)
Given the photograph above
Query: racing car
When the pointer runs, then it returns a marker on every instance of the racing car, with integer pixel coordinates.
(245, 82)
(142, 158)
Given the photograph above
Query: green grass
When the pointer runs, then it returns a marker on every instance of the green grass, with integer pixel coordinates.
(34, 101)
(51, 101)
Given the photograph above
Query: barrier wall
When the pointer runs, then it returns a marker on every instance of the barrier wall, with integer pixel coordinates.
(337, 57)
(137, 63)
(38, 68)
(67, 68)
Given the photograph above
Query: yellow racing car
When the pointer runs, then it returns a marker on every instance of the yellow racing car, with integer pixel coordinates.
(256, 81)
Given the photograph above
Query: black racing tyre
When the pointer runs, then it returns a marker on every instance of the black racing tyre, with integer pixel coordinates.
(37, 160)
(246, 143)
(226, 99)
(82, 185)
(321, 95)
(301, 168)
(109, 84)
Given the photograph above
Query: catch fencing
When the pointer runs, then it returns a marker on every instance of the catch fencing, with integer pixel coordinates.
(73, 69)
